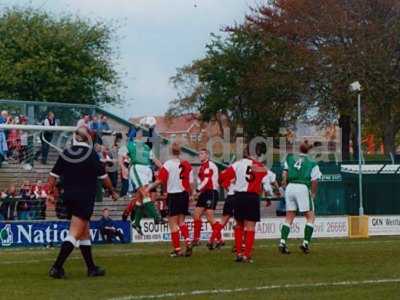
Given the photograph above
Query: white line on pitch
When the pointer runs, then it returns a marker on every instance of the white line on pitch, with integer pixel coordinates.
(259, 288)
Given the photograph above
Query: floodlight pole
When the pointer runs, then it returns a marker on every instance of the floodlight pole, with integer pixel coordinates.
(360, 179)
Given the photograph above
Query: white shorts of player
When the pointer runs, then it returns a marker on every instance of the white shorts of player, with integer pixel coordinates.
(297, 197)
(140, 175)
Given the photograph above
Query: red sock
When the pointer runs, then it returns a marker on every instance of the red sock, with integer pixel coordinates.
(238, 239)
(219, 232)
(185, 233)
(214, 233)
(197, 230)
(244, 237)
(175, 240)
(250, 235)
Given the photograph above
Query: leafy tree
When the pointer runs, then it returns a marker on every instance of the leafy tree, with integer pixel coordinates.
(48, 58)
(250, 79)
(345, 40)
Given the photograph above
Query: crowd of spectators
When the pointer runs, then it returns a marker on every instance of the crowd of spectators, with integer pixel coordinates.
(13, 142)
(28, 202)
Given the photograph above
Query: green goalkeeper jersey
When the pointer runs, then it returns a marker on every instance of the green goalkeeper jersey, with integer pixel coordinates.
(140, 153)
(299, 168)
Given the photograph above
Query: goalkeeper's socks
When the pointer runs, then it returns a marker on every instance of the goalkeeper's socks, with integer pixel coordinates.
(86, 250)
(151, 211)
(308, 231)
(66, 249)
(285, 230)
(197, 230)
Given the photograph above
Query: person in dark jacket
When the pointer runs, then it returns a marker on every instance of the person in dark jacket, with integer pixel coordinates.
(107, 228)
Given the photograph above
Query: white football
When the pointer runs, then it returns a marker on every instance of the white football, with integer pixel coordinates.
(148, 122)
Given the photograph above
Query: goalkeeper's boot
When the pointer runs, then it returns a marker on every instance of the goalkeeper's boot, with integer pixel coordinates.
(176, 253)
(96, 272)
(189, 250)
(57, 273)
(247, 260)
(305, 248)
(138, 229)
(283, 248)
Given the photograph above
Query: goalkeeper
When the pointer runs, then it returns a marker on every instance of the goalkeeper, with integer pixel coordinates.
(141, 175)
(301, 175)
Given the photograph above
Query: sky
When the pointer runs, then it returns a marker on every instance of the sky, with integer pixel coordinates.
(156, 38)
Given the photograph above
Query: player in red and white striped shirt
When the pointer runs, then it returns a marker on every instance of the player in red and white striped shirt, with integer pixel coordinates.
(177, 176)
(249, 175)
(207, 190)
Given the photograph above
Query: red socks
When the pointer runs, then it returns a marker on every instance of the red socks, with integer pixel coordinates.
(250, 235)
(175, 240)
(216, 232)
(185, 233)
(197, 230)
(238, 239)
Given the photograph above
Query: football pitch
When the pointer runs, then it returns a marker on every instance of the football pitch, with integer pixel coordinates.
(336, 269)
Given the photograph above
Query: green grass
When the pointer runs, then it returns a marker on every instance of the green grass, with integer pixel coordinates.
(146, 269)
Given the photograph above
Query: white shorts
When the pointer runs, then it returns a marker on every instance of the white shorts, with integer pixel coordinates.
(297, 197)
(140, 175)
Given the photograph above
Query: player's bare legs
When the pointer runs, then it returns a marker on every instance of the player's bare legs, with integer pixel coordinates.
(285, 230)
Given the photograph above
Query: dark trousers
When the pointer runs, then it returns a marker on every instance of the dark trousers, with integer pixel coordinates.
(114, 178)
(124, 187)
(108, 235)
(44, 151)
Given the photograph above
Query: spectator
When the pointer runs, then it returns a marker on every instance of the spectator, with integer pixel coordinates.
(84, 121)
(107, 228)
(3, 138)
(26, 190)
(104, 127)
(7, 206)
(46, 138)
(39, 195)
(94, 124)
(95, 130)
(23, 152)
(111, 166)
(124, 167)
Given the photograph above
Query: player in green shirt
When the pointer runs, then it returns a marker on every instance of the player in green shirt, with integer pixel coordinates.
(141, 158)
(300, 176)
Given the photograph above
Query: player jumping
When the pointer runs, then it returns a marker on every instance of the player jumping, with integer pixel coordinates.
(141, 175)
(207, 200)
(300, 174)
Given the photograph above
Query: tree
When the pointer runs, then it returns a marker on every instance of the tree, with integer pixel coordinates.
(345, 40)
(66, 59)
(249, 78)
